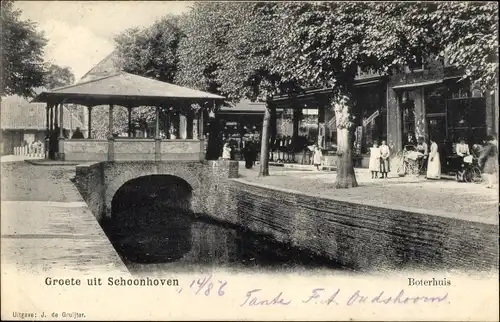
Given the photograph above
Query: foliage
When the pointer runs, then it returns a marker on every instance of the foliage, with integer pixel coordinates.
(228, 48)
(22, 53)
(56, 76)
(151, 52)
(469, 36)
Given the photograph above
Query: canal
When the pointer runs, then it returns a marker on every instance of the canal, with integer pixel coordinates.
(154, 240)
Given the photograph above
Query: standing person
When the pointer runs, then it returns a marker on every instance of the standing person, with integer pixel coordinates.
(489, 161)
(248, 154)
(434, 163)
(317, 155)
(226, 152)
(385, 153)
(77, 134)
(374, 164)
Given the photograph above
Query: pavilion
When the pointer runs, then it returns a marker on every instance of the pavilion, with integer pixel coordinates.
(129, 91)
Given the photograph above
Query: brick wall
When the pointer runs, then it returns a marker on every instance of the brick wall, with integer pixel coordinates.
(90, 183)
(358, 236)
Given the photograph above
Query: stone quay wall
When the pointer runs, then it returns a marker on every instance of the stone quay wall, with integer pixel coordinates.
(359, 237)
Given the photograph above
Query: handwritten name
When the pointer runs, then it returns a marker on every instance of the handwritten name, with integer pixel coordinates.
(252, 299)
(401, 298)
(322, 296)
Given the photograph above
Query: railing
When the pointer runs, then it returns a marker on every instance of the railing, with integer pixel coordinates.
(28, 151)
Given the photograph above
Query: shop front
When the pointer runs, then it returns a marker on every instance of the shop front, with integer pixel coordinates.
(442, 110)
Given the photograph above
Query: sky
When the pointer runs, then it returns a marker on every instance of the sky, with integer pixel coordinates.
(80, 33)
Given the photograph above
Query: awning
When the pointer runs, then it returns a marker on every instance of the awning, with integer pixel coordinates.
(414, 85)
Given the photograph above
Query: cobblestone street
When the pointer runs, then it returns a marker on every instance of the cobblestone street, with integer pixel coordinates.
(465, 200)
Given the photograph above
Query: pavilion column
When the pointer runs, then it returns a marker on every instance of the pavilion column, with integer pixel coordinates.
(56, 123)
(61, 123)
(89, 125)
(189, 124)
(196, 127)
(177, 124)
(61, 132)
(157, 136)
(47, 130)
(321, 125)
(129, 109)
(51, 118)
(111, 140)
(201, 133)
(297, 113)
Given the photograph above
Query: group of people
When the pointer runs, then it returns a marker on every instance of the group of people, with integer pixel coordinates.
(249, 152)
(379, 160)
(427, 158)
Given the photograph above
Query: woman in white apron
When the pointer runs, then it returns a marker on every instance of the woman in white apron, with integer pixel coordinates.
(434, 164)
(375, 156)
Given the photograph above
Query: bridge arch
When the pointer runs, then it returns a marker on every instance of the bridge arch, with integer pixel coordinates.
(151, 218)
(116, 175)
(172, 191)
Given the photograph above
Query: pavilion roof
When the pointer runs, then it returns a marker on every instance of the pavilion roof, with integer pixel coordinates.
(124, 89)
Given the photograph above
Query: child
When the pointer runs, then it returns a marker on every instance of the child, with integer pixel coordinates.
(375, 155)
(226, 152)
(384, 161)
(317, 155)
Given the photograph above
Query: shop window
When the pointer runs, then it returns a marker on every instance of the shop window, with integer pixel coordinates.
(434, 100)
(466, 118)
(407, 107)
(372, 115)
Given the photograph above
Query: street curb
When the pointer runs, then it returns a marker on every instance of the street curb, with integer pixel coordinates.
(52, 163)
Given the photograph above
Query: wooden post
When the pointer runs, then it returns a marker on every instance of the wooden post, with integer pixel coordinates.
(47, 131)
(189, 124)
(61, 132)
(111, 121)
(111, 142)
(51, 118)
(129, 121)
(56, 122)
(61, 122)
(89, 125)
(157, 136)
(264, 149)
(201, 133)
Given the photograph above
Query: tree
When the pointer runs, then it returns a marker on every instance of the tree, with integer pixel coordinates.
(328, 41)
(469, 38)
(150, 52)
(56, 76)
(227, 50)
(22, 53)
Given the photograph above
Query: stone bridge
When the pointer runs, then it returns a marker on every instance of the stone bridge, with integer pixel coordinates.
(99, 182)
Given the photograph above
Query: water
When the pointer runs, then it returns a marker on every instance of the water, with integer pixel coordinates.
(153, 241)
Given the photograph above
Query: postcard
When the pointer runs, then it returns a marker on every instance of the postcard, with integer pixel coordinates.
(172, 160)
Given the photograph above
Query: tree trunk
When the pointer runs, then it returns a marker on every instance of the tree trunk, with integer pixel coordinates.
(264, 149)
(346, 177)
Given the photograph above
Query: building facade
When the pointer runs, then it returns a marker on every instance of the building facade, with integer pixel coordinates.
(23, 122)
(432, 103)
